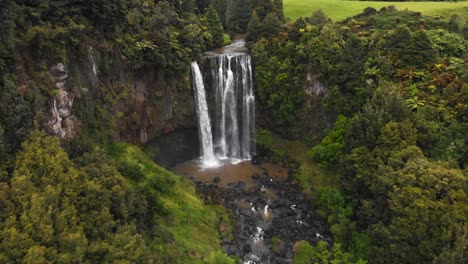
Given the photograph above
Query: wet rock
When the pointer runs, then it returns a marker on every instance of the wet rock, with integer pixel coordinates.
(293, 218)
(300, 197)
(61, 121)
(255, 159)
(246, 212)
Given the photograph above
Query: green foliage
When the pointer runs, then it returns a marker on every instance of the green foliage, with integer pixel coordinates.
(264, 140)
(398, 185)
(215, 27)
(253, 33)
(226, 39)
(79, 209)
(402, 86)
(448, 44)
(219, 258)
(238, 15)
(278, 82)
(183, 223)
(4, 157)
(331, 148)
(270, 26)
(306, 253)
(338, 213)
(456, 23)
(15, 113)
(90, 213)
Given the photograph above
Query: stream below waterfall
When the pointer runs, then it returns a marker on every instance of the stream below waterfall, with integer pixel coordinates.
(270, 210)
(268, 206)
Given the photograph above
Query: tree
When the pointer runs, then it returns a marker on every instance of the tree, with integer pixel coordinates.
(4, 157)
(238, 15)
(215, 27)
(318, 18)
(15, 115)
(254, 28)
(330, 150)
(422, 51)
(456, 23)
(270, 26)
(85, 214)
(278, 5)
(40, 190)
(263, 8)
(221, 8)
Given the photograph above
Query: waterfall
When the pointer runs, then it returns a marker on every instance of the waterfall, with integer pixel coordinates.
(232, 104)
(206, 139)
(235, 106)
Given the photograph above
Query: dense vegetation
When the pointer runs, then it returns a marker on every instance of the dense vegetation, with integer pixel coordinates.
(87, 199)
(392, 170)
(399, 82)
(97, 209)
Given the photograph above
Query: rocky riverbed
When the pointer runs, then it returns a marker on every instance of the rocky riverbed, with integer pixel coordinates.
(269, 209)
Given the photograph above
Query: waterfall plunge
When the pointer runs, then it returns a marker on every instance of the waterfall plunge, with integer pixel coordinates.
(234, 108)
(235, 103)
(206, 139)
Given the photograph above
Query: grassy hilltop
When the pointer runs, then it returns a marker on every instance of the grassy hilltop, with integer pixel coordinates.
(338, 10)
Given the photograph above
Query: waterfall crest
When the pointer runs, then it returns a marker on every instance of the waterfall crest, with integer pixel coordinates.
(206, 139)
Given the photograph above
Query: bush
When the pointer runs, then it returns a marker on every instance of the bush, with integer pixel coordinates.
(219, 258)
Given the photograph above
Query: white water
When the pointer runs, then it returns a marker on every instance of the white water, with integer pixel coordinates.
(206, 139)
(232, 81)
(233, 108)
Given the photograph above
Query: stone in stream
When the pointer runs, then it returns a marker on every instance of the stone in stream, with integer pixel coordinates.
(255, 159)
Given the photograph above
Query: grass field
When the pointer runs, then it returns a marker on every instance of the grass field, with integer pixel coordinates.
(338, 9)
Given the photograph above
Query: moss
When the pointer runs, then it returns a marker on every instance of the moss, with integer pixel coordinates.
(275, 244)
(303, 252)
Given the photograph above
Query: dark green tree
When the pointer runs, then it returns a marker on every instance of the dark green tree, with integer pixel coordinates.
(215, 27)
(263, 8)
(221, 8)
(318, 18)
(278, 4)
(238, 15)
(270, 26)
(16, 116)
(254, 28)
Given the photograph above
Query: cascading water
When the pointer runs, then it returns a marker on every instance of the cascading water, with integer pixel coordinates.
(232, 137)
(235, 106)
(206, 139)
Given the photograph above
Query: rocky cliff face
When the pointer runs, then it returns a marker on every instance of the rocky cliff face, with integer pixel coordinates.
(62, 122)
(135, 106)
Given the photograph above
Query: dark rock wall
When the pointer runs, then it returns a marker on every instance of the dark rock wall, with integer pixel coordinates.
(129, 105)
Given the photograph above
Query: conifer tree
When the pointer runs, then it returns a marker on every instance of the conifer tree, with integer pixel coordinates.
(215, 27)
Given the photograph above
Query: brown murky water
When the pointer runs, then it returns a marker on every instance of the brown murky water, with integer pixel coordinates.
(228, 173)
(265, 204)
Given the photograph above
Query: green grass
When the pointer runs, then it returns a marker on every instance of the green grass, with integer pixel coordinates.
(338, 10)
(189, 227)
(311, 175)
